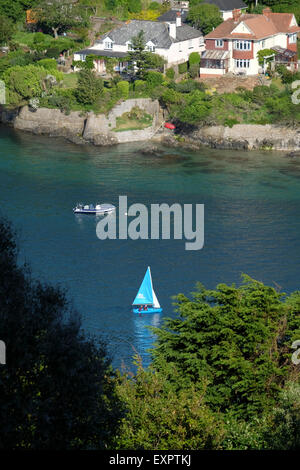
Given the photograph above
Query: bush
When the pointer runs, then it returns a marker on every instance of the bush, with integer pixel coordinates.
(53, 52)
(154, 79)
(194, 71)
(182, 68)
(194, 58)
(140, 85)
(187, 86)
(123, 89)
(48, 64)
(170, 73)
(24, 83)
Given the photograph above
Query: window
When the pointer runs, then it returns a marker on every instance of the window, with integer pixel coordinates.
(263, 43)
(242, 45)
(292, 38)
(219, 43)
(242, 63)
(108, 45)
(150, 48)
(191, 44)
(129, 46)
(82, 57)
(201, 41)
(180, 47)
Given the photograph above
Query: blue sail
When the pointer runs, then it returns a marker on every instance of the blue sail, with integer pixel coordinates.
(145, 293)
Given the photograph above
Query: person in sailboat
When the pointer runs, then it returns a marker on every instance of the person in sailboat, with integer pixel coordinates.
(146, 300)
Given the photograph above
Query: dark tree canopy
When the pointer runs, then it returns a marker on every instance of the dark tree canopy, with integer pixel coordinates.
(56, 388)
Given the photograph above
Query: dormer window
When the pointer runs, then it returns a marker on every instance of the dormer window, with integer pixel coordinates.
(108, 44)
(150, 46)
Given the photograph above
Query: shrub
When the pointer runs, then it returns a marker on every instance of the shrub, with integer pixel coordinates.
(171, 96)
(48, 64)
(24, 83)
(53, 52)
(140, 85)
(154, 79)
(194, 71)
(194, 58)
(170, 73)
(188, 86)
(182, 68)
(230, 122)
(123, 89)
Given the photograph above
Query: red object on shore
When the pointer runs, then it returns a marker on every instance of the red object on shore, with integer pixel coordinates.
(168, 125)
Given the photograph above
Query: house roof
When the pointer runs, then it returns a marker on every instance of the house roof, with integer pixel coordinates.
(215, 55)
(171, 15)
(227, 5)
(259, 26)
(154, 31)
(91, 51)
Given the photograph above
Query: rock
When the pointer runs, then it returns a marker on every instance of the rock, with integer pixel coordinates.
(151, 150)
(293, 154)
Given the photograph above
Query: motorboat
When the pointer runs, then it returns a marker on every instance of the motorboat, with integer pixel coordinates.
(146, 300)
(98, 209)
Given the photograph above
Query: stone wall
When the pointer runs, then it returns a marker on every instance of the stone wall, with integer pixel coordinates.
(50, 122)
(248, 136)
(79, 128)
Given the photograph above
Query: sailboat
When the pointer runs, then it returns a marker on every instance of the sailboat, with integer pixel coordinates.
(146, 297)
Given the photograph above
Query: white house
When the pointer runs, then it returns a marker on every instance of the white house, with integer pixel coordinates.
(172, 41)
(234, 44)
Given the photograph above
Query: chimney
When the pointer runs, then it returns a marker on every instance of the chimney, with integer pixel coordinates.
(236, 14)
(266, 12)
(178, 19)
(172, 30)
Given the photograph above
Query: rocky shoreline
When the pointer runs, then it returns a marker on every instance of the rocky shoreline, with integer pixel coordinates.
(96, 129)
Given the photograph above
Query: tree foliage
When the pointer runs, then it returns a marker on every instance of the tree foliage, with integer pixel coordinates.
(205, 17)
(61, 15)
(24, 82)
(56, 388)
(159, 417)
(237, 339)
(7, 29)
(89, 87)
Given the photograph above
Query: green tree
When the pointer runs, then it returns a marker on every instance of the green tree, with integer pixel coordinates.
(138, 55)
(16, 9)
(89, 87)
(24, 82)
(196, 108)
(61, 15)
(7, 29)
(160, 417)
(57, 389)
(236, 338)
(205, 17)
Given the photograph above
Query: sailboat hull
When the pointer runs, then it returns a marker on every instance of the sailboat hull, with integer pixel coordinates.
(149, 310)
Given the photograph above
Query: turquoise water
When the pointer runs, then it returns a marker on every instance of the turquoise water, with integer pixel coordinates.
(252, 225)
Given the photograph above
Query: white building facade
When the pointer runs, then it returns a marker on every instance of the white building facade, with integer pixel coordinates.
(172, 41)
